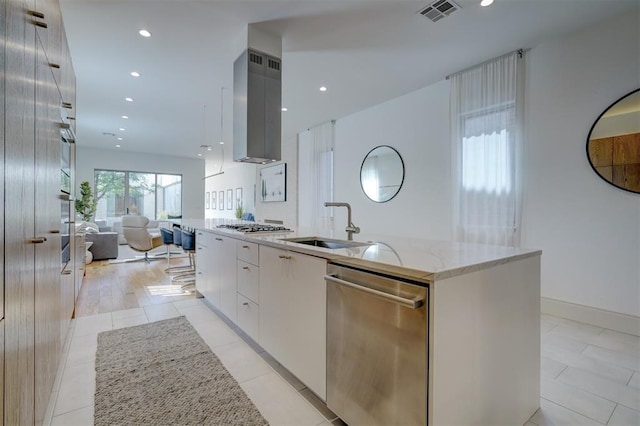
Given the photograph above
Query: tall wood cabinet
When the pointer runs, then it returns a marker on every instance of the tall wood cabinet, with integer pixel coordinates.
(35, 61)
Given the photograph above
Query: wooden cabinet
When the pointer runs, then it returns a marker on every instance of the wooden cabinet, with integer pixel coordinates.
(30, 167)
(293, 314)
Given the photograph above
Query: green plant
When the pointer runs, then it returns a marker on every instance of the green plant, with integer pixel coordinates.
(87, 203)
(239, 211)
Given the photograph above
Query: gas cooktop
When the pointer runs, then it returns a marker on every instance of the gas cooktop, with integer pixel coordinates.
(253, 228)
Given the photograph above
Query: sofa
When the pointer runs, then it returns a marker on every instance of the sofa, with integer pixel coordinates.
(105, 241)
(105, 244)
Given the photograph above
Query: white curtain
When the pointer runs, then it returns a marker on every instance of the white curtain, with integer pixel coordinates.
(487, 132)
(315, 177)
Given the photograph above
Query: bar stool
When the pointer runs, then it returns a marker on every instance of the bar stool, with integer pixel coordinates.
(188, 278)
(177, 241)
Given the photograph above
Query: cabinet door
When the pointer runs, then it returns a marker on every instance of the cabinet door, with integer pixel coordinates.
(228, 286)
(19, 218)
(272, 300)
(306, 310)
(48, 309)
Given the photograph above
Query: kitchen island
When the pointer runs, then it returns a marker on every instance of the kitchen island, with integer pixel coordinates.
(482, 359)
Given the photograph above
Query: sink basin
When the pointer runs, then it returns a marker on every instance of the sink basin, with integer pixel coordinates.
(325, 242)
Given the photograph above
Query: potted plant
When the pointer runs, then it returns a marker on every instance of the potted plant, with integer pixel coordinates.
(239, 211)
(87, 203)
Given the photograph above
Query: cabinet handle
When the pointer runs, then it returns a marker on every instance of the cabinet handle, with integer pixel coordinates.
(37, 240)
(40, 24)
(282, 256)
(66, 272)
(245, 247)
(52, 65)
(67, 105)
(55, 231)
(245, 304)
(245, 267)
(36, 14)
(218, 239)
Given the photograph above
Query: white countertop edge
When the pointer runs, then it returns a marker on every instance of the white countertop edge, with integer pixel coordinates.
(341, 256)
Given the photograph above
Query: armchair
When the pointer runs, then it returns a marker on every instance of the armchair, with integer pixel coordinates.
(138, 237)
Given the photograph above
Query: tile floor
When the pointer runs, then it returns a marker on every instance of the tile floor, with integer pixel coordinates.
(589, 375)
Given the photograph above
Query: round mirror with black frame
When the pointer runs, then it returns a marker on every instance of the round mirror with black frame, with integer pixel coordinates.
(382, 174)
(613, 144)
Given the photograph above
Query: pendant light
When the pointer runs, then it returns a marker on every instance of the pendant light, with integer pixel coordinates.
(209, 147)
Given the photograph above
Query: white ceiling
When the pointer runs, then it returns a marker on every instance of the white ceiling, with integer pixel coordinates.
(364, 51)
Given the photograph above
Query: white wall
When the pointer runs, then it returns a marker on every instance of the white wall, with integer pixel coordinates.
(236, 175)
(285, 211)
(192, 171)
(589, 231)
(417, 126)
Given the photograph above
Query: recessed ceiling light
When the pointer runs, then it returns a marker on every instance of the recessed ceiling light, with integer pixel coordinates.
(125, 117)
(117, 146)
(135, 73)
(209, 148)
(323, 89)
(199, 155)
(485, 3)
(128, 99)
(221, 143)
(119, 139)
(285, 109)
(144, 33)
(122, 129)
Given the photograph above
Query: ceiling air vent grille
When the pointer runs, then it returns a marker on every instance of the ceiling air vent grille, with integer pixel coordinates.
(439, 9)
(256, 59)
(274, 65)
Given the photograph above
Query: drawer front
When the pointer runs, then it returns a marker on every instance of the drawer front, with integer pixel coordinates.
(248, 317)
(248, 252)
(204, 238)
(249, 281)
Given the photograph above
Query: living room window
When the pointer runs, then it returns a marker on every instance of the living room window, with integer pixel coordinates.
(155, 195)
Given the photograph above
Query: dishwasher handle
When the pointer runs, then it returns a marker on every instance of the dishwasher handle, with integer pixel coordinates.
(409, 303)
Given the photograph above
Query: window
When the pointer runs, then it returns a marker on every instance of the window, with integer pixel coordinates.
(315, 177)
(157, 196)
(486, 140)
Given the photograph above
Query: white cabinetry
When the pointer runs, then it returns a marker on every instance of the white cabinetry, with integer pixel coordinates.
(205, 244)
(293, 314)
(216, 272)
(248, 274)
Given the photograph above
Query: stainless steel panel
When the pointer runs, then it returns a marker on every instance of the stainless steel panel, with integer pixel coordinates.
(257, 102)
(240, 106)
(376, 349)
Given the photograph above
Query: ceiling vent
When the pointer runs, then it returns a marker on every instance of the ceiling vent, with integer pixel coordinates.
(439, 9)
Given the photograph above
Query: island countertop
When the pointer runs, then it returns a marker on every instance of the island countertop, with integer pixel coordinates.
(411, 258)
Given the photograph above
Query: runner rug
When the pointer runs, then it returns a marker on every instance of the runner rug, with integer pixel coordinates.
(163, 373)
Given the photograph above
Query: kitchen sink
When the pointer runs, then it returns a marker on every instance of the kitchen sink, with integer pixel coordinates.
(325, 242)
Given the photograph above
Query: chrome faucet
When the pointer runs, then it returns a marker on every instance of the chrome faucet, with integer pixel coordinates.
(351, 228)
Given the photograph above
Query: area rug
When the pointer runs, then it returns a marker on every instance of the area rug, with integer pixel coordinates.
(163, 373)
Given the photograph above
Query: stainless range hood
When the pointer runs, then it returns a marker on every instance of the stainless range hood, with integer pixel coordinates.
(257, 103)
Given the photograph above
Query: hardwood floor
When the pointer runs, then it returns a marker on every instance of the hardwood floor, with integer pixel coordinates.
(110, 287)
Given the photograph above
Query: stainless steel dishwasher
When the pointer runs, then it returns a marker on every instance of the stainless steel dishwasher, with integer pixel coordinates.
(376, 348)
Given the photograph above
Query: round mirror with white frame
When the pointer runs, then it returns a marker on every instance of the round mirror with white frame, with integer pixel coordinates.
(382, 174)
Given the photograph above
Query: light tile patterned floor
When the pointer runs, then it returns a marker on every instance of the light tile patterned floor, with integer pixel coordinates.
(589, 375)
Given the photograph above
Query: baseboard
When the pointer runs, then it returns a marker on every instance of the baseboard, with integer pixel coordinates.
(599, 317)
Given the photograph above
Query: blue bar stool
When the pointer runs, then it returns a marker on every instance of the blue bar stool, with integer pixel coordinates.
(188, 278)
(177, 240)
